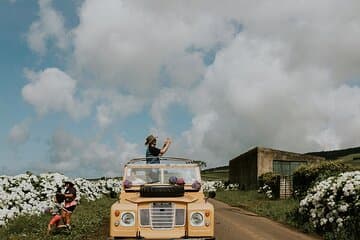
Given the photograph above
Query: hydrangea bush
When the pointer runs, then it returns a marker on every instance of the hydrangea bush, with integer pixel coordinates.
(209, 186)
(266, 189)
(219, 185)
(269, 184)
(332, 206)
(305, 176)
(32, 194)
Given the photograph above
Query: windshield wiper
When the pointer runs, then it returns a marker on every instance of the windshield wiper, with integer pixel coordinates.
(157, 181)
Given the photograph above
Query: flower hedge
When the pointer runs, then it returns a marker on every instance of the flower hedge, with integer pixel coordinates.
(305, 176)
(219, 185)
(332, 206)
(32, 194)
(269, 184)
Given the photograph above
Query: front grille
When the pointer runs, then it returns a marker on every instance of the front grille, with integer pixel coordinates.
(162, 215)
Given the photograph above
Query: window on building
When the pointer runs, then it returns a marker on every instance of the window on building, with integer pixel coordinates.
(286, 168)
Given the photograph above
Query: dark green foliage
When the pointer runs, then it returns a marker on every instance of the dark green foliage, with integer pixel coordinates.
(300, 221)
(273, 181)
(351, 229)
(306, 175)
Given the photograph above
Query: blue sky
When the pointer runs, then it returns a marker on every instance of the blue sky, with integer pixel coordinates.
(84, 82)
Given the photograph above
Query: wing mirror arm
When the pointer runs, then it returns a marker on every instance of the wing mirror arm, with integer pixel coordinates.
(211, 194)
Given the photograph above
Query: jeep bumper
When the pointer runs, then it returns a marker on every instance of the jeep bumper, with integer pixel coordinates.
(118, 238)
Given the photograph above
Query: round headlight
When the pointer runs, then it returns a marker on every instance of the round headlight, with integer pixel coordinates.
(127, 219)
(197, 219)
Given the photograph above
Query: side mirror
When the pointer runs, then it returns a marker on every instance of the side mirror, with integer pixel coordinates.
(113, 194)
(211, 194)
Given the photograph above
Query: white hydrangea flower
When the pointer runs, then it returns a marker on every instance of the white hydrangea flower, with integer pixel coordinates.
(31, 194)
(331, 200)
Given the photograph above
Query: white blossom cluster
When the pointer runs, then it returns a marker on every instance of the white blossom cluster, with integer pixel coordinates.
(218, 185)
(267, 190)
(209, 186)
(329, 204)
(232, 187)
(31, 194)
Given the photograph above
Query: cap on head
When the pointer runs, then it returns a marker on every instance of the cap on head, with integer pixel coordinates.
(71, 183)
(150, 139)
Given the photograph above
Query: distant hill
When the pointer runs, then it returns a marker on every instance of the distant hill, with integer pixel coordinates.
(215, 174)
(336, 154)
(216, 169)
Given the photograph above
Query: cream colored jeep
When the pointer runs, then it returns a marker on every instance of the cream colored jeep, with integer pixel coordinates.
(162, 201)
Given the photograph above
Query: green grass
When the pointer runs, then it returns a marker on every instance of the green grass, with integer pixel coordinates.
(219, 175)
(89, 221)
(257, 203)
(348, 159)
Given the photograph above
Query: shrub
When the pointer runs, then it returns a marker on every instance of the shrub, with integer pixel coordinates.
(332, 207)
(28, 194)
(269, 183)
(212, 186)
(306, 176)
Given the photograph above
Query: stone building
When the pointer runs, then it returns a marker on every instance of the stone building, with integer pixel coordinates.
(247, 167)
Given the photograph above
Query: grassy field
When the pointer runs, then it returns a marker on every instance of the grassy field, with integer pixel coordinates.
(218, 175)
(90, 221)
(253, 201)
(349, 159)
(257, 203)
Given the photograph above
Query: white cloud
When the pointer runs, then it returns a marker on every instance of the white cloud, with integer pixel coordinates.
(115, 106)
(53, 90)
(129, 44)
(162, 102)
(19, 133)
(48, 28)
(88, 158)
(259, 102)
(284, 75)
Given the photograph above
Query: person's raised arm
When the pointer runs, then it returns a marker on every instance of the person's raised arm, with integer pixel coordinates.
(165, 147)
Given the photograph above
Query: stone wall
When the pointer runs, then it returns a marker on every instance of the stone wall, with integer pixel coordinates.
(243, 169)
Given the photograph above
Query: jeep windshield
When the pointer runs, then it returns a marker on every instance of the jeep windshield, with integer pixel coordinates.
(161, 174)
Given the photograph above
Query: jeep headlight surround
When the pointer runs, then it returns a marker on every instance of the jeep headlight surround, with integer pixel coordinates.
(197, 219)
(127, 219)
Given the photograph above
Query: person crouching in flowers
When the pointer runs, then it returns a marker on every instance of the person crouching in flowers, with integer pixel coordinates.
(70, 203)
(56, 211)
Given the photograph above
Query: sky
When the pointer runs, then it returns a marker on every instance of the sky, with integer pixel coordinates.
(84, 82)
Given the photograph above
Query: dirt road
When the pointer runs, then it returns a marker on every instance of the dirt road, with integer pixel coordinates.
(234, 223)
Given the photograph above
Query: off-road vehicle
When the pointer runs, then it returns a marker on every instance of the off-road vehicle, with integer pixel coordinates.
(162, 201)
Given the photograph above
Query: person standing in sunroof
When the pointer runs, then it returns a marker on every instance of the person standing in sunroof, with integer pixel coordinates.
(153, 153)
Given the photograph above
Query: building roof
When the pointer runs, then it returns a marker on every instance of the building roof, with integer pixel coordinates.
(280, 153)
